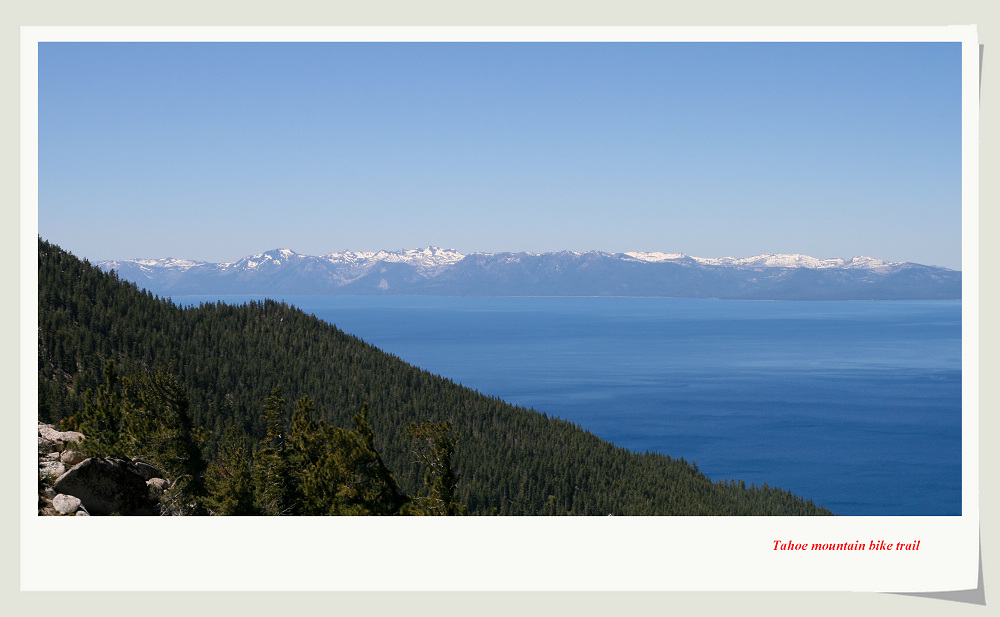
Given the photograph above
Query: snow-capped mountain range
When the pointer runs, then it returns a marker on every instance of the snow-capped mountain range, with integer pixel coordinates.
(437, 271)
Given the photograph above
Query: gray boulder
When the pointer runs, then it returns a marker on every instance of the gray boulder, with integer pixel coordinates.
(71, 457)
(50, 468)
(156, 488)
(48, 439)
(71, 437)
(45, 445)
(107, 486)
(66, 504)
(158, 484)
(52, 440)
(148, 471)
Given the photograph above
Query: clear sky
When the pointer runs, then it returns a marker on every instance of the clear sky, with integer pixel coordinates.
(215, 151)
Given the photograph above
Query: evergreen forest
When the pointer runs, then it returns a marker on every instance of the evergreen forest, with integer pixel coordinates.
(263, 409)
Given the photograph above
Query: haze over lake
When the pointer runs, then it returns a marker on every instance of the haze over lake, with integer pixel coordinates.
(855, 405)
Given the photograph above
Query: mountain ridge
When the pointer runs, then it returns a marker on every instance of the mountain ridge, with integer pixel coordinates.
(437, 271)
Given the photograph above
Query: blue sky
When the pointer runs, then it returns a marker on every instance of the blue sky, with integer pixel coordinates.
(218, 150)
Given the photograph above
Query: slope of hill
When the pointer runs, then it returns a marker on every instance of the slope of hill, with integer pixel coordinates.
(510, 460)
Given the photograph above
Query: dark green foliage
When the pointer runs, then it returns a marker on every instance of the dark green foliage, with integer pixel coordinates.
(271, 473)
(107, 419)
(145, 417)
(163, 426)
(434, 446)
(337, 471)
(316, 477)
(370, 488)
(228, 481)
(510, 460)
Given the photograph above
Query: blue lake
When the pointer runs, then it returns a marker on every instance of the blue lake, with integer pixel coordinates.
(855, 405)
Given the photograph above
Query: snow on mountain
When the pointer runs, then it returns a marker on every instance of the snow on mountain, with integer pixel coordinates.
(352, 265)
(437, 271)
(655, 257)
(269, 259)
(165, 262)
(869, 263)
(770, 260)
(429, 257)
(794, 261)
(433, 258)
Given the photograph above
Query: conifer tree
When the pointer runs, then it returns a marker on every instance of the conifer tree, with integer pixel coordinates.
(228, 480)
(368, 486)
(159, 424)
(312, 480)
(338, 471)
(433, 446)
(103, 418)
(270, 461)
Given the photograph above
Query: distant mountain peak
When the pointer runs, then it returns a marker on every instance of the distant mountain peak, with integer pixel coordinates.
(796, 260)
(428, 256)
(432, 270)
(655, 256)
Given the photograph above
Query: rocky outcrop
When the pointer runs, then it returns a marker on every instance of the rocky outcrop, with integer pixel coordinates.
(107, 486)
(55, 453)
(52, 440)
(71, 484)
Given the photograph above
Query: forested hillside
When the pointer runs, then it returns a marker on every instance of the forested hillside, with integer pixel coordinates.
(227, 361)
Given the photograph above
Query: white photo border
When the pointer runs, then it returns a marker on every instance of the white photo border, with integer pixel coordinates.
(503, 553)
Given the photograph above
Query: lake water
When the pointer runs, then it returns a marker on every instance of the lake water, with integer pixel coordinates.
(855, 405)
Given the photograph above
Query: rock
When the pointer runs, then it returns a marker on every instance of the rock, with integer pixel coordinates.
(52, 440)
(82, 512)
(47, 432)
(71, 457)
(157, 487)
(69, 437)
(148, 471)
(50, 468)
(107, 486)
(45, 445)
(66, 504)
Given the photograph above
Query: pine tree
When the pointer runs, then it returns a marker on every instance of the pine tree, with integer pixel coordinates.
(311, 476)
(159, 424)
(369, 487)
(103, 418)
(338, 471)
(270, 461)
(229, 481)
(433, 446)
